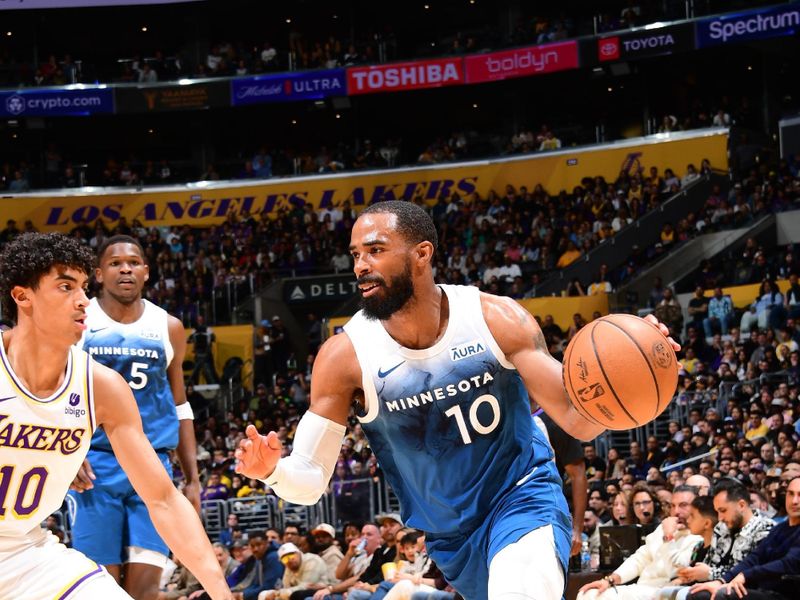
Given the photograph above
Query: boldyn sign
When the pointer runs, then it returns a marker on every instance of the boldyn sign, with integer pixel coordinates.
(521, 62)
(751, 25)
(644, 43)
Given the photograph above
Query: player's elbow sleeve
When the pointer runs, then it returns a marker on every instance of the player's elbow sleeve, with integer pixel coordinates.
(302, 477)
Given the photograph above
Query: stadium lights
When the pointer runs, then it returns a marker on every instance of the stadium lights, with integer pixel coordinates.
(144, 29)
(294, 121)
(9, 33)
(289, 20)
(338, 116)
(184, 81)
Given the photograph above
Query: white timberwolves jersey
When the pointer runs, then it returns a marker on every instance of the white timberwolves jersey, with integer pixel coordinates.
(43, 442)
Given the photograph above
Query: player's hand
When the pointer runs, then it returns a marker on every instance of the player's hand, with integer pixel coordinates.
(84, 478)
(577, 543)
(197, 594)
(707, 586)
(664, 330)
(258, 454)
(192, 492)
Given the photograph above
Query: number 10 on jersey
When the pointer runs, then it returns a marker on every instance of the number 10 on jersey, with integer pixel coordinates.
(458, 414)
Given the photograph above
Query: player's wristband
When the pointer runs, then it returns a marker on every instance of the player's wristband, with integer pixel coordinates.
(184, 411)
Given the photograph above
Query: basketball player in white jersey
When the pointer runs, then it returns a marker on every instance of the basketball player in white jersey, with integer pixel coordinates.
(52, 397)
(442, 376)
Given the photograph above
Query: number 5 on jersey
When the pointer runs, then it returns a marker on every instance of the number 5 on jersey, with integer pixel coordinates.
(455, 411)
(138, 375)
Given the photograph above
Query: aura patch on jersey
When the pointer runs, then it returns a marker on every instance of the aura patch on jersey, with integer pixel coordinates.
(466, 350)
(38, 437)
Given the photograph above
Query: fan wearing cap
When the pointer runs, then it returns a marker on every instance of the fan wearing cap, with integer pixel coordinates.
(324, 535)
(303, 571)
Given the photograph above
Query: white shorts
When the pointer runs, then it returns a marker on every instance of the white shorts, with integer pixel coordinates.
(528, 569)
(47, 570)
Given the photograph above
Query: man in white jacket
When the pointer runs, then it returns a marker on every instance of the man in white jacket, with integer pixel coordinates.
(665, 550)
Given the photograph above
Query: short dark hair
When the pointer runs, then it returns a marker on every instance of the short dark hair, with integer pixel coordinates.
(410, 538)
(734, 489)
(686, 488)
(30, 256)
(412, 221)
(705, 506)
(119, 239)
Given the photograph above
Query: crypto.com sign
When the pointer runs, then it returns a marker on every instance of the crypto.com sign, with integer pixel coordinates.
(521, 62)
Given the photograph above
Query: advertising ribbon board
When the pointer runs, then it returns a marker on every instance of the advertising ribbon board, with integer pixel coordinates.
(755, 24)
(157, 98)
(209, 203)
(521, 62)
(396, 77)
(288, 87)
(63, 102)
(643, 43)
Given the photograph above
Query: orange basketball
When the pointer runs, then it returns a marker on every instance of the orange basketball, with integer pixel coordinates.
(620, 371)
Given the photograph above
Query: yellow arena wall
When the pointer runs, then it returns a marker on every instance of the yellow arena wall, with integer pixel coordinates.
(206, 203)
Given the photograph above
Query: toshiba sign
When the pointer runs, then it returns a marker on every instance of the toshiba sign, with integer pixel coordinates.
(521, 62)
(404, 76)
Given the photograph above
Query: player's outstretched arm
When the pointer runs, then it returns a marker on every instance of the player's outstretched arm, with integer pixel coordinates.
(172, 514)
(303, 476)
(187, 444)
(522, 341)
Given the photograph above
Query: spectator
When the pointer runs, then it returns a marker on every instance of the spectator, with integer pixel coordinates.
(720, 314)
(214, 489)
(701, 521)
(303, 571)
(698, 308)
(669, 312)
(670, 546)
(324, 536)
(761, 575)
(203, 339)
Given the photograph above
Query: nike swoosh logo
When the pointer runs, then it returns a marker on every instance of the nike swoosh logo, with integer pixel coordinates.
(383, 374)
(98, 329)
(9, 398)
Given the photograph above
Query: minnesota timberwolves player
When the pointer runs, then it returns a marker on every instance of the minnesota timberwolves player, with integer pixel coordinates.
(52, 396)
(442, 376)
(146, 346)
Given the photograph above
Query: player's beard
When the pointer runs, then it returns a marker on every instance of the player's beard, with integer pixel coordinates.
(390, 298)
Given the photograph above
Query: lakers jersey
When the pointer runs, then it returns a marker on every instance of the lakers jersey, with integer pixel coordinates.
(450, 424)
(140, 352)
(43, 442)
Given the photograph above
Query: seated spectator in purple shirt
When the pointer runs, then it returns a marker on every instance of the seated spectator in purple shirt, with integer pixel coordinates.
(214, 490)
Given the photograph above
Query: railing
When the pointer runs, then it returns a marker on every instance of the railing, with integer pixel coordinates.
(360, 501)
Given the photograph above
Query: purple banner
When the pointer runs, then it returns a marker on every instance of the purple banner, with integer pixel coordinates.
(56, 102)
(288, 87)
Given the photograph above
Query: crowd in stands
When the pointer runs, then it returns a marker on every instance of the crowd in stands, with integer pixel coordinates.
(342, 46)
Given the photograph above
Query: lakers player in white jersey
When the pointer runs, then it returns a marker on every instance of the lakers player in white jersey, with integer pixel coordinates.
(52, 397)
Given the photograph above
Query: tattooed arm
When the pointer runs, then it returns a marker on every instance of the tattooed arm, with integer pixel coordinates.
(522, 341)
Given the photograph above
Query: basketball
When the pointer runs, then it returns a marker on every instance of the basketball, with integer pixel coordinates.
(620, 371)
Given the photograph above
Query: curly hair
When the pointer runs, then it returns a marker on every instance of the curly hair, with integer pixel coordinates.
(30, 256)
